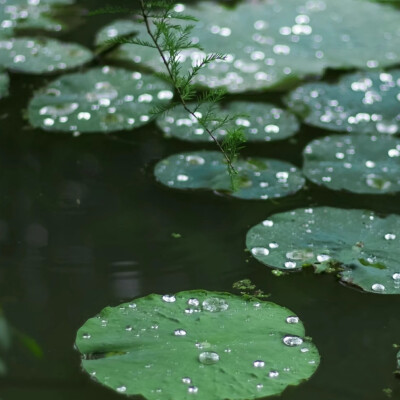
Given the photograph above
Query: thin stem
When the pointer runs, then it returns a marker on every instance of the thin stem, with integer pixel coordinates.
(181, 99)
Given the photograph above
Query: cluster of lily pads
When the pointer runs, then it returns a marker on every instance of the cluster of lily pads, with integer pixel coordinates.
(195, 343)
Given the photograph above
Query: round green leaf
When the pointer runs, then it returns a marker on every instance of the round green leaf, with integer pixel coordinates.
(362, 246)
(38, 56)
(260, 122)
(31, 14)
(274, 44)
(99, 100)
(4, 83)
(365, 102)
(208, 344)
(259, 178)
(116, 28)
(360, 164)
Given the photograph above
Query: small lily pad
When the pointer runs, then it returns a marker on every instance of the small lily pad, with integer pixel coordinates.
(205, 344)
(4, 83)
(259, 178)
(275, 44)
(357, 163)
(38, 56)
(117, 28)
(364, 102)
(99, 100)
(260, 122)
(19, 15)
(361, 246)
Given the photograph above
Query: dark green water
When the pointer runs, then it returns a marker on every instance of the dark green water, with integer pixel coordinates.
(83, 224)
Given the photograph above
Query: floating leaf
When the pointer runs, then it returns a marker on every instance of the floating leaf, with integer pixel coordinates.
(365, 102)
(360, 164)
(260, 122)
(99, 100)
(211, 345)
(117, 28)
(16, 15)
(259, 178)
(38, 56)
(4, 82)
(273, 44)
(362, 246)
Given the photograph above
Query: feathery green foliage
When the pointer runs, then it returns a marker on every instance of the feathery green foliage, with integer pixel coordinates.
(169, 33)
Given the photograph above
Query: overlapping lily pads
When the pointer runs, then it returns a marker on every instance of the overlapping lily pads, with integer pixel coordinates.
(207, 345)
(260, 178)
(365, 102)
(41, 55)
(273, 44)
(17, 15)
(260, 122)
(361, 245)
(100, 100)
(357, 163)
(4, 82)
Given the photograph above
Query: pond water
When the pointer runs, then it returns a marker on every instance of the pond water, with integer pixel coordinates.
(84, 224)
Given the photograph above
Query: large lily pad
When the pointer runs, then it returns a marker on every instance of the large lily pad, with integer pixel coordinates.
(99, 100)
(260, 122)
(38, 56)
(205, 344)
(362, 246)
(273, 43)
(17, 15)
(365, 102)
(260, 178)
(358, 163)
(4, 82)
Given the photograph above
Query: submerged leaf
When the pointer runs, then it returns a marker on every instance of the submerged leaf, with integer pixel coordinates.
(260, 122)
(360, 245)
(38, 56)
(274, 44)
(99, 100)
(363, 102)
(208, 344)
(258, 178)
(357, 163)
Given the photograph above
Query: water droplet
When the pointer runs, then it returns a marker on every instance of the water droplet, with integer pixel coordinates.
(259, 251)
(132, 305)
(273, 374)
(290, 265)
(396, 276)
(182, 178)
(292, 320)
(377, 287)
(208, 357)
(129, 328)
(187, 380)
(214, 304)
(292, 341)
(268, 223)
(121, 389)
(304, 350)
(180, 332)
(193, 389)
(86, 336)
(169, 298)
(390, 236)
(193, 302)
(323, 257)
(259, 364)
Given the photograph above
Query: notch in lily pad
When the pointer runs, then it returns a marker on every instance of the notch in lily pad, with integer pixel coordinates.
(362, 102)
(102, 99)
(258, 178)
(362, 247)
(195, 343)
(356, 163)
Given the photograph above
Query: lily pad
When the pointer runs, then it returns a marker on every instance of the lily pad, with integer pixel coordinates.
(17, 15)
(358, 163)
(99, 100)
(4, 83)
(208, 344)
(117, 28)
(260, 122)
(365, 102)
(274, 44)
(38, 56)
(260, 178)
(362, 246)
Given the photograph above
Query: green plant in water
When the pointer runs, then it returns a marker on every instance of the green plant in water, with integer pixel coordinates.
(169, 38)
